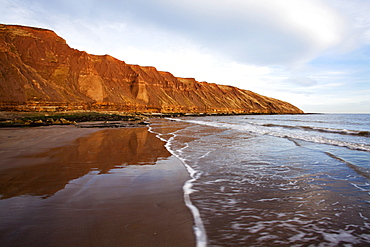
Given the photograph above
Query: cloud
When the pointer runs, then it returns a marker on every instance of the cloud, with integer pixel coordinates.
(265, 32)
(355, 13)
(262, 33)
(302, 81)
(14, 12)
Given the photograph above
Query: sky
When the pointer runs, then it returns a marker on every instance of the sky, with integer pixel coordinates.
(314, 54)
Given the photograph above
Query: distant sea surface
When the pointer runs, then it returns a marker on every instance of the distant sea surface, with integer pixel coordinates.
(275, 180)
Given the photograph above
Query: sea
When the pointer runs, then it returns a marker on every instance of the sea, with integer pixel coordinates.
(274, 180)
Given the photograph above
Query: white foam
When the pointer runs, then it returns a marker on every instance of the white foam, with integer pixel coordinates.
(269, 199)
(298, 237)
(362, 216)
(359, 187)
(341, 236)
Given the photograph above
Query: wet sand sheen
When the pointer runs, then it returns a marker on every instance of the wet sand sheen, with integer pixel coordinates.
(110, 187)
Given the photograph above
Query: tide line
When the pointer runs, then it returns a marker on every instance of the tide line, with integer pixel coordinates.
(199, 231)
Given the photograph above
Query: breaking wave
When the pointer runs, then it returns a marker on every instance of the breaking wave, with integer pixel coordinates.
(283, 131)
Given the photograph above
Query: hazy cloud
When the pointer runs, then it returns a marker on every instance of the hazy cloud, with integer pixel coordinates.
(263, 32)
(302, 81)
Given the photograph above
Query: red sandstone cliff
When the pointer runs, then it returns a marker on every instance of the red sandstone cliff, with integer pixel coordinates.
(39, 71)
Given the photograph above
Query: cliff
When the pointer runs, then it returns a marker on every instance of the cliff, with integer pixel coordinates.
(40, 72)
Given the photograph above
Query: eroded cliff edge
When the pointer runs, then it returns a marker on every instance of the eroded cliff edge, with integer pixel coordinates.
(40, 72)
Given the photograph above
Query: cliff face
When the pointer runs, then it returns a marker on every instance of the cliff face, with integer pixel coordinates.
(39, 71)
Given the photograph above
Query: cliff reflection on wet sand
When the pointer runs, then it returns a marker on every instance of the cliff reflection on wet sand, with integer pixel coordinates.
(110, 187)
(100, 151)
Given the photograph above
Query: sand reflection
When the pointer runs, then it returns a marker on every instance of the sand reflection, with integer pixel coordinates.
(100, 151)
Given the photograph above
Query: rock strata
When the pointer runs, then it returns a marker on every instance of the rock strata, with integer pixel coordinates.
(40, 72)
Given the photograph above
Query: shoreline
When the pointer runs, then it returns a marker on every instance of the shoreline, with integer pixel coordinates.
(198, 228)
(91, 187)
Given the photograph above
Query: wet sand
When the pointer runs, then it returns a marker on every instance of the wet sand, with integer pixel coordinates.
(67, 186)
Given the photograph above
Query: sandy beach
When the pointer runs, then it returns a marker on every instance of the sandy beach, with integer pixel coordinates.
(68, 186)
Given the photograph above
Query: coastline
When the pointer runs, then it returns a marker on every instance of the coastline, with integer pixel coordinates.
(165, 132)
(91, 187)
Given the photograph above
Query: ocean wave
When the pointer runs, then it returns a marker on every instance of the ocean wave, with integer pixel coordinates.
(266, 130)
(359, 122)
(365, 172)
(288, 120)
(318, 129)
